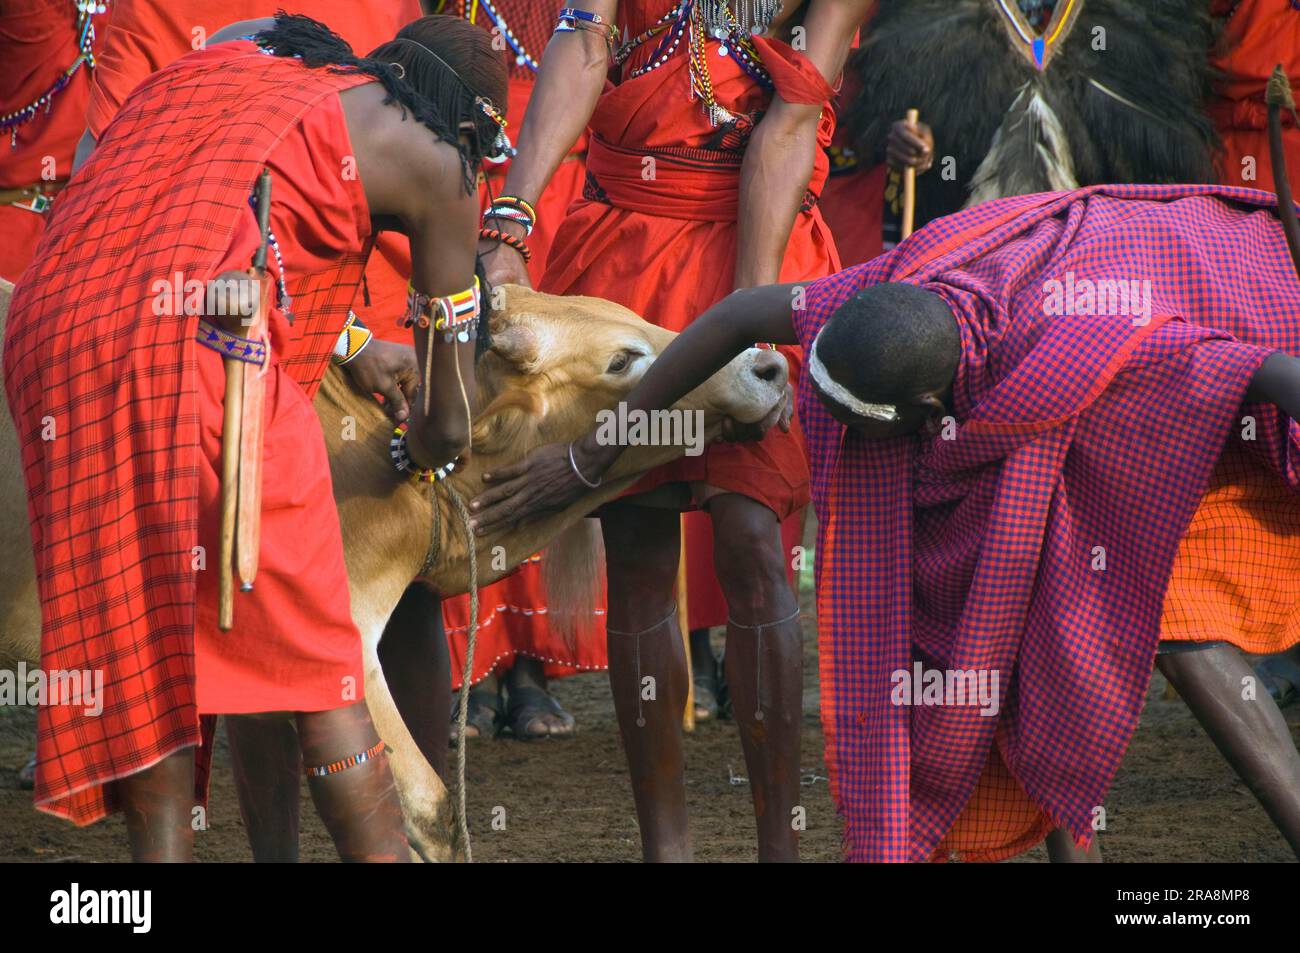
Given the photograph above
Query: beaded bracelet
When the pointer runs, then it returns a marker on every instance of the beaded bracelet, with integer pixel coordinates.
(397, 449)
(571, 20)
(510, 215)
(352, 340)
(496, 235)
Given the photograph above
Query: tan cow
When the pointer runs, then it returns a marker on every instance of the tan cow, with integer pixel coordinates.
(548, 375)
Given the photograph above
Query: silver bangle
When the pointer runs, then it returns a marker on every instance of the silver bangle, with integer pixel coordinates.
(578, 473)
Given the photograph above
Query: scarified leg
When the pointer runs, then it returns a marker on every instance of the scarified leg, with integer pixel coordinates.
(764, 663)
(267, 763)
(358, 805)
(641, 548)
(158, 805)
(1250, 732)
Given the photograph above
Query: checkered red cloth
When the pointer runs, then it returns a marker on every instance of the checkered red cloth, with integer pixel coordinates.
(103, 396)
(1073, 433)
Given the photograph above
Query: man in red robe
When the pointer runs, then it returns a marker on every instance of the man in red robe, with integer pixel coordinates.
(49, 50)
(1015, 420)
(1254, 37)
(704, 164)
(120, 417)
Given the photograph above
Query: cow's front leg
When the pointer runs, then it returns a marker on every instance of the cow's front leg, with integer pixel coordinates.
(426, 805)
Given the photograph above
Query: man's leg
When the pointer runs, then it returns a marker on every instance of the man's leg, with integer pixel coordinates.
(267, 763)
(641, 550)
(358, 804)
(1061, 849)
(158, 804)
(417, 668)
(1251, 734)
(764, 663)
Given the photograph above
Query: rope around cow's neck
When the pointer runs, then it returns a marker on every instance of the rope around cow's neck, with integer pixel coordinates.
(462, 708)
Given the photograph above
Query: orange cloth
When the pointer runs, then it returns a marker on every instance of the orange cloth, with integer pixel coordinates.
(38, 41)
(1258, 35)
(1236, 577)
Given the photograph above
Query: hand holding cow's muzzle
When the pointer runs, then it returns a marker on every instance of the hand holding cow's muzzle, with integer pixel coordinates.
(733, 431)
(544, 482)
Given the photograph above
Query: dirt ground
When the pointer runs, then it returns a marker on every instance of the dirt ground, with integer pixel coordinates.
(1174, 799)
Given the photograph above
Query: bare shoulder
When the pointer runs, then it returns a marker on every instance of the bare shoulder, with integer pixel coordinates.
(402, 165)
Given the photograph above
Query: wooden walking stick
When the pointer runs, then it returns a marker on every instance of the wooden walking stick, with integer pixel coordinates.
(241, 436)
(909, 184)
(684, 624)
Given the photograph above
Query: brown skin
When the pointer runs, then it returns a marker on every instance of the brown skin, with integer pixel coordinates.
(910, 146)
(1251, 734)
(774, 175)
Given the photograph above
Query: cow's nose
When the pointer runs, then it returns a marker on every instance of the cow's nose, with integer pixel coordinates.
(767, 366)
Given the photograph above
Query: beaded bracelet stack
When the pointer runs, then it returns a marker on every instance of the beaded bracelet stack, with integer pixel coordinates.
(510, 208)
(352, 340)
(571, 20)
(397, 449)
(457, 314)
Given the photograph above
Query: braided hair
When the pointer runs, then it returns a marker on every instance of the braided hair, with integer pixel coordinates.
(440, 69)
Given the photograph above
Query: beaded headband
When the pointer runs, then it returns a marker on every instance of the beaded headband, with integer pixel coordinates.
(886, 413)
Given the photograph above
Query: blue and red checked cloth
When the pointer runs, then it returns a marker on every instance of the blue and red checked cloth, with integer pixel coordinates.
(1072, 433)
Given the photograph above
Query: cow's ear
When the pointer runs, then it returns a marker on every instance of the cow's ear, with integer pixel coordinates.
(515, 343)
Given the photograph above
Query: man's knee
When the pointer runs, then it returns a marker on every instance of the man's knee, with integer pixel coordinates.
(747, 551)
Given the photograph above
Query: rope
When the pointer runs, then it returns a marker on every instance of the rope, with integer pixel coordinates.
(462, 708)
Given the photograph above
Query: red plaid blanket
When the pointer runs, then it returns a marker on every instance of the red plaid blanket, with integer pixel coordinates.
(103, 396)
(1079, 437)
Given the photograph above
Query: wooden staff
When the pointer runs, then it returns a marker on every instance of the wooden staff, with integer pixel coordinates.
(241, 436)
(684, 623)
(909, 183)
(1278, 96)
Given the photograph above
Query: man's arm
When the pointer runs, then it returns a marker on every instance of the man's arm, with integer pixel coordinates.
(546, 482)
(412, 179)
(569, 83)
(778, 161)
(1277, 382)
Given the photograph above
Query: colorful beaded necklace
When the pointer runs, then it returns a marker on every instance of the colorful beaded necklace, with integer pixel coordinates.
(86, 11)
(700, 21)
(1037, 47)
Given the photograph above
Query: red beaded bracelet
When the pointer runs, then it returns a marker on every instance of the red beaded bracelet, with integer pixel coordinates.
(496, 235)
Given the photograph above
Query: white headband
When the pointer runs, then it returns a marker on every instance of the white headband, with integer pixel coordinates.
(886, 413)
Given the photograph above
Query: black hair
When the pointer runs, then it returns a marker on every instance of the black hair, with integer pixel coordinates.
(891, 342)
(438, 90)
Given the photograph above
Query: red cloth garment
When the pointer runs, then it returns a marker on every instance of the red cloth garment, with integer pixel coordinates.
(114, 497)
(146, 35)
(38, 43)
(1256, 36)
(665, 245)
(978, 552)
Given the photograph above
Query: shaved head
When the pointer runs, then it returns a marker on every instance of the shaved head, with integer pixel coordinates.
(891, 346)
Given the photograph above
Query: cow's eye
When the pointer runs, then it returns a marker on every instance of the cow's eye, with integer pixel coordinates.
(619, 363)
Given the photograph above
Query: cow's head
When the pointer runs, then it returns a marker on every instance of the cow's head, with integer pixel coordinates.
(557, 362)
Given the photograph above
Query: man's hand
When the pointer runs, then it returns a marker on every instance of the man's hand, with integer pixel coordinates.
(388, 369)
(503, 265)
(735, 432)
(543, 482)
(910, 146)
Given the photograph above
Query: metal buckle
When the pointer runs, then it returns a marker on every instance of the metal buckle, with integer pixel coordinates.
(39, 204)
